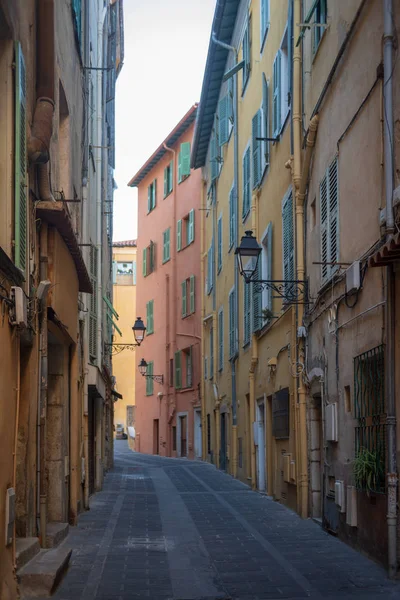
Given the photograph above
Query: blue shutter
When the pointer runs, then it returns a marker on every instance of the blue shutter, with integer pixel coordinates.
(257, 148)
(232, 217)
(265, 144)
(246, 184)
(221, 340)
(20, 163)
(219, 250)
(209, 270)
(277, 94)
(264, 19)
(232, 345)
(290, 50)
(213, 157)
(223, 121)
(230, 99)
(185, 159)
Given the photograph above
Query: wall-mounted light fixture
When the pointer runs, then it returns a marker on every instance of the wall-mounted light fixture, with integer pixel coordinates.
(139, 331)
(143, 371)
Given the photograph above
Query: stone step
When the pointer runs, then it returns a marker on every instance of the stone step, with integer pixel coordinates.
(26, 549)
(41, 575)
(56, 533)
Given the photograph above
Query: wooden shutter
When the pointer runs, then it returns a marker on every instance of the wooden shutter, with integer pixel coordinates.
(144, 263)
(329, 208)
(265, 132)
(149, 380)
(185, 159)
(223, 121)
(154, 193)
(221, 340)
(20, 164)
(191, 226)
(219, 241)
(247, 313)
(178, 370)
(288, 238)
(150, 316)
(179, 166)
(192, 294)
(232, 217)
(256, 144)
(212, 261)
(257, 320)
(246, 184)
(179, 236)
(184, 299)
(277, 94)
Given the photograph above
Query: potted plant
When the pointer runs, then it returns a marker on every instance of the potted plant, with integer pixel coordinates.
(368, 471)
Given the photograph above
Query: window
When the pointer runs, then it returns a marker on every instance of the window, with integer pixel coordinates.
(208, 434)
(319, 17)
(150, 317)
(265, 122)
(247, 181)
(151, 196)
(149, 380)
(124, 273)
(185, 231)
(211, 374)
(257, 144)
(246, 313)
(219, 241)
(266, 273)
(280, 414)
(246, 54)
(168, 179)
(282, 84)
(20, 189)
(184, 368)
(329, 210)
(232, 323)
(264, 20)
(220, 339)
(184, 162)
(189, 366)
(188, 296)
(149, 259)
(173, 438)
(178, 370)
(288, 240)
(210, 268)
(215, 153)
(166, 245)
(232, 218)
(223, 120)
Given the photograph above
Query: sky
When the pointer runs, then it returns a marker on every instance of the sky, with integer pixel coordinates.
(166, 43)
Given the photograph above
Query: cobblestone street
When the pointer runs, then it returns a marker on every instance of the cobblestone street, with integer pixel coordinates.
(176, 529)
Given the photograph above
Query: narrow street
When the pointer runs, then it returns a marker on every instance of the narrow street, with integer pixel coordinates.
(177, 529)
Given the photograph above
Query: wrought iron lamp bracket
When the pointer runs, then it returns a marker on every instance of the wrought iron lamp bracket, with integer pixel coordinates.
(290, 291)
(118, 348)
(156, 378)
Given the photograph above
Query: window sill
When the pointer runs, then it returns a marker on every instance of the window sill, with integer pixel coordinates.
(166, 260)
(183, 179)
(169, 193)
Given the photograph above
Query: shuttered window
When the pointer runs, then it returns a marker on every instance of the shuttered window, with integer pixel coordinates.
(246, 313)
(257, 298)
(210, 268)
(219, 242)
(246, 172)
(168, 179)
(230, 99)
(264, 20)
(265, 117)
(214, 155)
(151, 196)
(247, 53)
(190, 227)
(277, 94)
(256, 132)
(166, 245)
(184, 161)
(232, 323)
(150, 317)
(221, 339)
(319, 17)
(184, 298)
(232, 217)
(211, 352)
(179, 235)
(178, 370)
(144, 262)
(192, 294)
(149, 380)
(189, 366)
(329, 209)
(288, 238)
(223, 121)
(20, 163)
(93, 266)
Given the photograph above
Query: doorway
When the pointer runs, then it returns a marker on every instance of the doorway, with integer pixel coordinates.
(259, 439)
(183, 441)
(156, 438)
(197, 434)
(222, 459)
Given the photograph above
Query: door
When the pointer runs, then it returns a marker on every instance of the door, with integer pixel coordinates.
(260, 447)
(156, 443)
(183, 437)
(222, 459)
(197, 434)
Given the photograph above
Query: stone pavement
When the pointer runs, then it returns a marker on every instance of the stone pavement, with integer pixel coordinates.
(181, 530)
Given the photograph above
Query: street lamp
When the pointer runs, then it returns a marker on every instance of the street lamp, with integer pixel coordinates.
(292, 291)
(143, 371)
(139, 330)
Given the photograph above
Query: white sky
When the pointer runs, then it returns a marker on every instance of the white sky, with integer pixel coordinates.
(166, 43)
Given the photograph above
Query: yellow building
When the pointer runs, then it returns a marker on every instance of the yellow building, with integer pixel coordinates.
(245, 141)
(125, 362)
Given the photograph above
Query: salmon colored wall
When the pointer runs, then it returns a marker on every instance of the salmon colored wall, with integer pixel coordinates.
(171, 332)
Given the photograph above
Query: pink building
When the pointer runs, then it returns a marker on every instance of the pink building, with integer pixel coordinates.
(168, 413)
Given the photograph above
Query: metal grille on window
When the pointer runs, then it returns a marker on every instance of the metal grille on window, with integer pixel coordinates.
(370, 410)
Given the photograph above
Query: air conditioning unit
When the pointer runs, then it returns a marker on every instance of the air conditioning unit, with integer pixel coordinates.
(286, 467)
(331, 423)
(19, 312)
(353, 278)
(351, 517)
(340, 499)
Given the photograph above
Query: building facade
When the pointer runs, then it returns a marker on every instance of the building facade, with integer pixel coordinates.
(168, 408)
(46, 275)
(125, 358)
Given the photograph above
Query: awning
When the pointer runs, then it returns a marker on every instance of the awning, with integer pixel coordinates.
(116, 394)
(387, 254)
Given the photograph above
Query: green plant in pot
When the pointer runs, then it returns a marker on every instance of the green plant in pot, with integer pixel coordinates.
(267, 314)
(368, 471)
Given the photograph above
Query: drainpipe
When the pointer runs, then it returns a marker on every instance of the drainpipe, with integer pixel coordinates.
(42, 403)
(203, 314)
(390, 288)
(254, 360)
(18, 391)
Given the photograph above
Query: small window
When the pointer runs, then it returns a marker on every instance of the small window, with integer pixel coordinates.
(151, 196)
(124, 273)
(168, 179)
(184, 368)
(188, 296)
(149, 259)
(185, 231)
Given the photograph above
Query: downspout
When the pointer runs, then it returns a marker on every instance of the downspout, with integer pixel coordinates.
(18, 393)
(392, 479)
(236, 273)
(203, 314)
(253, 362)
(42, 404)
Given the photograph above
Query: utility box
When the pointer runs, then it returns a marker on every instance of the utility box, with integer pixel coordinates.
(331, 422)
(10, 515)
(340, 499)
(353, 278)
(19, 312)
(286, 467)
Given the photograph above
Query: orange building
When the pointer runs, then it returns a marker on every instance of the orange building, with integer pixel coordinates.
(168, 413)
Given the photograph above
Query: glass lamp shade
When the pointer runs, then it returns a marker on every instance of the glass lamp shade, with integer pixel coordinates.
(248, 254)
(143, 367)
(139, 330)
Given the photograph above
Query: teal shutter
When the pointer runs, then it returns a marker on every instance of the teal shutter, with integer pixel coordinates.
(256, 133)
(219, 241)
(154, 193)
(230, 99)
(264, 19)
(232, 217)
(257, 320)
(189, 367)
(191, 227)
(179, 167)
(171, 176)
(184, 299)
(246, 53)
(178, 370)
(223, 121)
(232, 323)
(246, 184)
(221, 340)
(247, 314)
(192, 294)
(149, 200)
(268, 275)
(211, 352)
(166, 245)
(150, 316)
(20, 165)
(165, 181)
(149, 380)
(144, 263)
(179, 236)
(213, 157)
(277, 94)
(265, 105)
(212, 261)
(185, 159)
(288, 239)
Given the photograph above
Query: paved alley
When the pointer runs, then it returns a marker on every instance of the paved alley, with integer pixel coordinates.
(175, 529)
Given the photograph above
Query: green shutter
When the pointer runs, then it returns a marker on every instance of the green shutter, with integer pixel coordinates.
(165, 182)
(185, 159)
(192, 294)
(144, 263)
(232, 217)
(166, 245)
(256, 143)
(149, 380)
(184, 299)
(171, 176)
(20, 193)
(179, 236)
(277, 93)
(191, 226)
(178, 370)
(154, 193)
(223, 121)
(150, 316)
(219, 242)
(149, 199)
(265, 117)
(189, 367)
